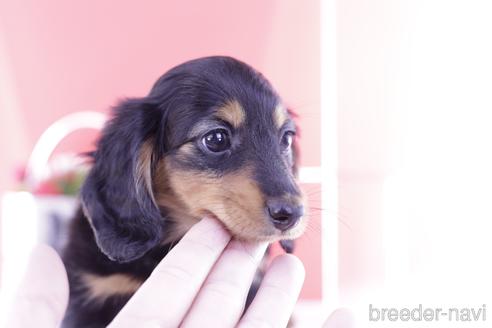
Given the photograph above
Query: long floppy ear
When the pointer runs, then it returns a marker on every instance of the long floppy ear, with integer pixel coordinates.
(295, 146)
(117, 194)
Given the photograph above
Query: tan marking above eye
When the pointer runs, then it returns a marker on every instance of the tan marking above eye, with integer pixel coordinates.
(280, 116)
(102, 287)
(232, 113)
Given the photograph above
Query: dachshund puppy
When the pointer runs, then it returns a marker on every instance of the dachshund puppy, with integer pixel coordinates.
(211, 138)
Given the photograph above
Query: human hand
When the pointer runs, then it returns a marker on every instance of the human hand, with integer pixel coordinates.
(203, 282)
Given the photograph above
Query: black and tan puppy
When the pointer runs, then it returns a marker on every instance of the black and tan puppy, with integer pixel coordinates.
(211, 138)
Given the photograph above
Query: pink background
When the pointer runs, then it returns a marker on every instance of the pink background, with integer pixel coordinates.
(58, 57)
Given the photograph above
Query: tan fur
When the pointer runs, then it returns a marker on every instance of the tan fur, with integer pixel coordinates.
(280, 115)
(186, 151)
(102, 287)
(175, 207)
(143, 170)
(232, 113)
(235, 199)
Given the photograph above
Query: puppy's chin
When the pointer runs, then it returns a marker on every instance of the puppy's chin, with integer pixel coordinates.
(246, 227)
(255, 231)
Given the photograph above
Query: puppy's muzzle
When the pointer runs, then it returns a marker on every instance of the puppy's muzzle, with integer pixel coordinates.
(284, 214)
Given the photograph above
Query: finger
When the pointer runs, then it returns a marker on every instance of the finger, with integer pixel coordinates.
(340, 318)
(166, 296)
(221, 300)
(277, 296)
(42, 297)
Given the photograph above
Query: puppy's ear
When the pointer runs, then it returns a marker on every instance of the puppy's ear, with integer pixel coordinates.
(117, 195)
(295, 159)
(295, 146)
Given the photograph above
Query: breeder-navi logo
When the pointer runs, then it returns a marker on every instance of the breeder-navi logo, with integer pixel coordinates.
(421, 313)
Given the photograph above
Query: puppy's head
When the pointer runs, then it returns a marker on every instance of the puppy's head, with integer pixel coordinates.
(211, 138)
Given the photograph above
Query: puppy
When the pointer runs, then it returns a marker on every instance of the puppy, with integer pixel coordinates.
(211, 138)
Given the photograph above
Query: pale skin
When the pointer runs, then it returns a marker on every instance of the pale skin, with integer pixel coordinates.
(202, 282)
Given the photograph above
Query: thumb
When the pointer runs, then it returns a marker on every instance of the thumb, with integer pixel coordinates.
(42, 297)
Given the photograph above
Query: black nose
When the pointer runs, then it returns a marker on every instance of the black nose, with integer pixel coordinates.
(284, 214)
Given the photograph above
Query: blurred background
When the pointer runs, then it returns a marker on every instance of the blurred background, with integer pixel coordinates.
(394, 103)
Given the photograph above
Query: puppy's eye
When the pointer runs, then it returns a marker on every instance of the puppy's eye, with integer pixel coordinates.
(217, 140)
(286, 141)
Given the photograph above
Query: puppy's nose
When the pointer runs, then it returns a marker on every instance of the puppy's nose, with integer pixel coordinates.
(284, 214)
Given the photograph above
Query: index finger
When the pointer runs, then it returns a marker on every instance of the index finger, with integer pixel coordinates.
(165, 297)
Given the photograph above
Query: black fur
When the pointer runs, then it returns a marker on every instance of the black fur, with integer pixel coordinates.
(126, 222)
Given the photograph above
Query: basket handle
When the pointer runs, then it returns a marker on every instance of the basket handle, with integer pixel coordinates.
(52, 136)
